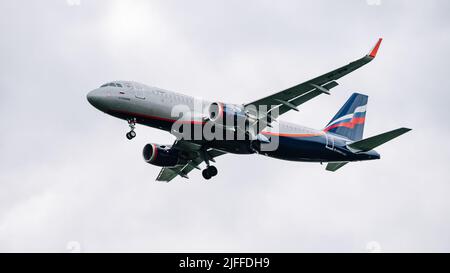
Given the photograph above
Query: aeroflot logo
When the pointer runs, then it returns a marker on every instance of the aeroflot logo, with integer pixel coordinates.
(220, 121)
(350, 120)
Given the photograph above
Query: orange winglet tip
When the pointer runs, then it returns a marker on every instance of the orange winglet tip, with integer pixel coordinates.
(374, 51)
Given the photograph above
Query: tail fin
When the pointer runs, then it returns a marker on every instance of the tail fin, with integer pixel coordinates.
(375, 141)
(349, 121)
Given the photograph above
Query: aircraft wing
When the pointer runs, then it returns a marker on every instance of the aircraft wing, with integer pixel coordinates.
(292, 97)
(168, 173)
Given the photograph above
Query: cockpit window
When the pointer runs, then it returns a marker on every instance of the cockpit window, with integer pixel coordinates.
(112, 84)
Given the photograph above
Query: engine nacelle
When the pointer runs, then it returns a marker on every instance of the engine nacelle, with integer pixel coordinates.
(227, 114)
(161, 155)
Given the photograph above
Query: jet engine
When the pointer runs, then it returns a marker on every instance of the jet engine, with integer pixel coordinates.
(160, 155)
(228, 115)
(237, 118)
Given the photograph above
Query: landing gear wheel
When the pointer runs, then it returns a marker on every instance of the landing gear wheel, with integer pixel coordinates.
(206, 174)
(209, 172)
(212, 170)
(132, 123)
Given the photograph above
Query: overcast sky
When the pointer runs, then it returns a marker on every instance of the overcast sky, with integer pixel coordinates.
(70, 178)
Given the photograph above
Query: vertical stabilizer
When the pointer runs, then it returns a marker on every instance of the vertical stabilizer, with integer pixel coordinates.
(349, 121)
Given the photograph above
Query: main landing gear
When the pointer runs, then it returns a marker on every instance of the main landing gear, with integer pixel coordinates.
(210, 170)
(132, 123)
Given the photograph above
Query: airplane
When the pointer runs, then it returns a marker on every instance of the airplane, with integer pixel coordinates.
(338, 143)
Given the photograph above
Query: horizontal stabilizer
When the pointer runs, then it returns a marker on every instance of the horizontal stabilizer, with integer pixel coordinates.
(375, 141)
(332, 167)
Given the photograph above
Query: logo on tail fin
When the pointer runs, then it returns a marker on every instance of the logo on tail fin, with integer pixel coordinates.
(349, 120)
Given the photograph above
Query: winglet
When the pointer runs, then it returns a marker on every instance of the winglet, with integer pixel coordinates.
(374, 51)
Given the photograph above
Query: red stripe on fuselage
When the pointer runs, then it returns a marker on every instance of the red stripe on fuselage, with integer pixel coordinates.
(203, 122)
(292, 134)
(160, 118)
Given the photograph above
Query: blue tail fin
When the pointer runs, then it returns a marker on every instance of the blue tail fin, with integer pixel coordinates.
(349, 121)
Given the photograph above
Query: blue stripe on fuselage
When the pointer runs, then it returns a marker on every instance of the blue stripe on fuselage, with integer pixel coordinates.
(314, 149)
(311, 149)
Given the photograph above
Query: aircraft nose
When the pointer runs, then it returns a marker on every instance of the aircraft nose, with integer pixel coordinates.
(92, 96)
(97, 98)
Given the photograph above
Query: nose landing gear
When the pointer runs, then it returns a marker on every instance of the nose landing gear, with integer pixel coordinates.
(131, 134)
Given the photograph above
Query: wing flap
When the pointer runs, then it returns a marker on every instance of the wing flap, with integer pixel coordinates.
(308, 96)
